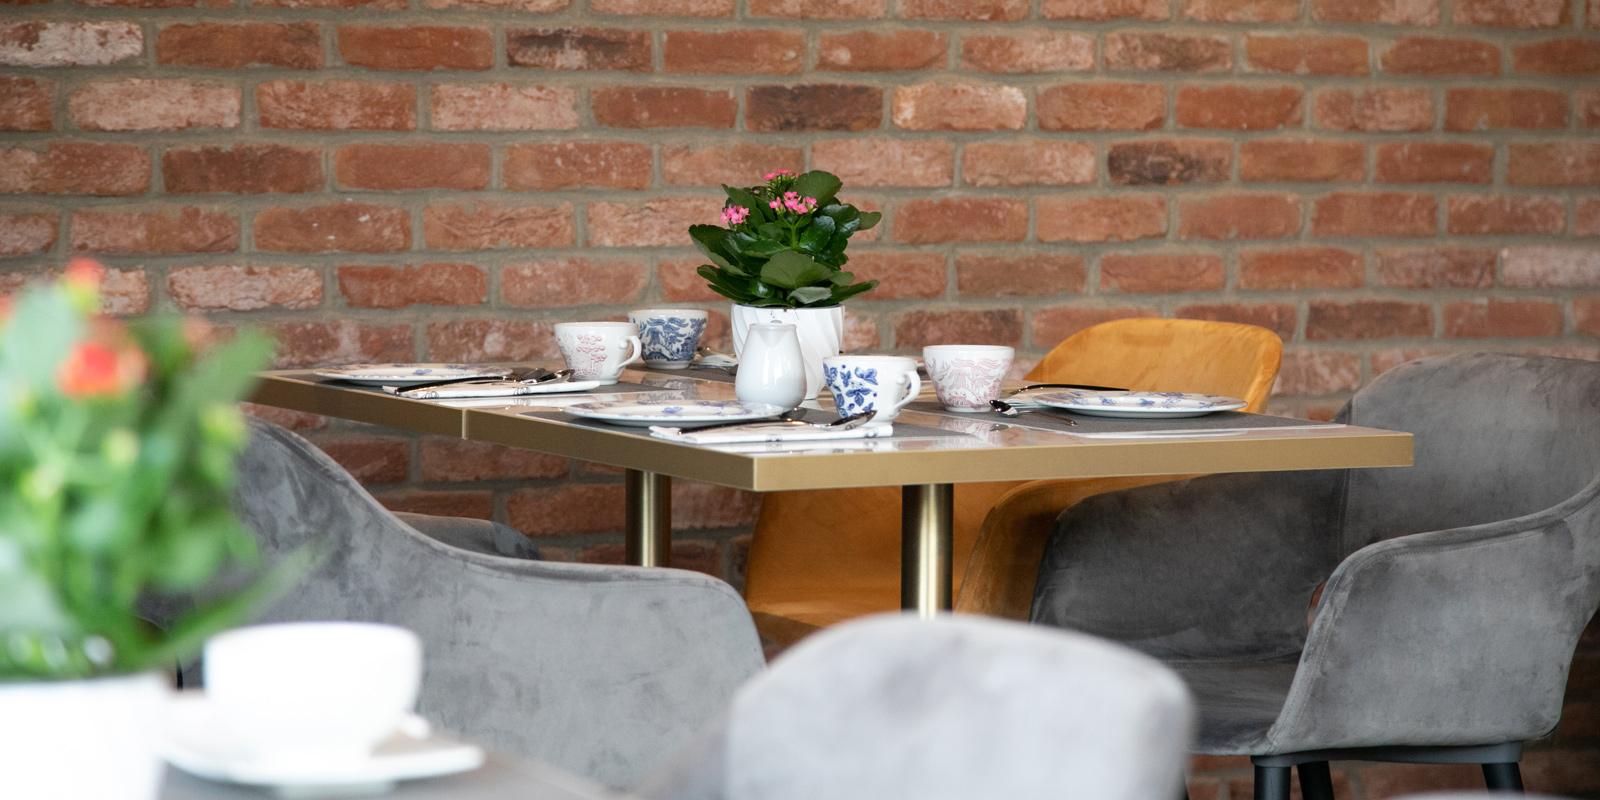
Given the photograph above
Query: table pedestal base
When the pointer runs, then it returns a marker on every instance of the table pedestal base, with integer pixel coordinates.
(647, 535)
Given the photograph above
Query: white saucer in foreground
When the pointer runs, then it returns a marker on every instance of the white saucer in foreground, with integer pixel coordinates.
(194, 741)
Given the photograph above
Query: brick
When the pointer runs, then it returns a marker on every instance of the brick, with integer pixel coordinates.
(1367, 319)
(217, 45)
(1436, 268)
(1300, 268)
(469, 505)
(370, 459)
(882, 50)
(1165, 52)
(1570, 163)
(293, 420)
(242, 169)
(138, 3)
(315, 344)
(1558, 57)
(1239, 216)
(418, 47)
(807, 9)
(477, 341)
(439, 284)
(497, 226)
(1586, 222)
(160, 230)
(813, 107)
(659, 222)
(945, 106)
(579, 49)
(1027, 162)
(566, 509)
(1280, 318)
(445, 460)
(525, 6)
(27, 233)
(674, 8)
(1121, 218)
(340, 227)
(372, 5)
(1512, 13)
(1588, 103)
(1102, 106)
(1436, 55)
(903, 276)
(1241, 10)
(90, 168)
(734, 52)
(1374, 214)
(1434, 162)
(874, 161)
(971, 219)
(1377, 110)
(914, 330)
(663, 107)
(1169, 162)
(503, 107)
(1239, 108)
(141, 104)
(996, 10)
(1587, 312)
(1317, 372)
(734, 163)
(1301, 160)
(1160, 272)
(46, 43)
(1479, 215)
(1384, 12)
(1096, 10)
(1052, 325)
(1307, 55)
(1029, 51)
(337, 106)
(412, 166)
(564, 282)
(1494, 319)
(680, 284)
(246, 288)
(568, 165)
(26, 104)
(1550, 266)
(1019, 275)
(1492, 109)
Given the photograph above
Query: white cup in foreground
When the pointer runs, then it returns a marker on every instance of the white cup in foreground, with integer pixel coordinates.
(312, 692)
(597, 351)
(967, 376)
(884, 384)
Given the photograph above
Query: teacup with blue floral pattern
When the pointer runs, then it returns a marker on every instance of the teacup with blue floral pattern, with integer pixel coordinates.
(884, 384)
(670, 335)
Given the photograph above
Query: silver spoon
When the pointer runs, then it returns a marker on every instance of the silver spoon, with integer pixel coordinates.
(1005, 409)
(790, 419)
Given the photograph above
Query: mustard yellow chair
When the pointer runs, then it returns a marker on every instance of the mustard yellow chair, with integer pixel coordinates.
(822, 557)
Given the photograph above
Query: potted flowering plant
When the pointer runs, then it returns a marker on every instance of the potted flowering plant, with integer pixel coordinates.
(779, 255)
(117, 444)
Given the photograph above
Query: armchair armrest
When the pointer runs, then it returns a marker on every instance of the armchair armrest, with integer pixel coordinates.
(1460, 636)
(1213, 567)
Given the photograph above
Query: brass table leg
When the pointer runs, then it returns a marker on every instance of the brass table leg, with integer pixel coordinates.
(926, 539)
(648, 533)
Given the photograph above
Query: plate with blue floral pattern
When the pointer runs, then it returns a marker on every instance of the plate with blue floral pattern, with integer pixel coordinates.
(1132, 405)
(643, 413)
(405, 374)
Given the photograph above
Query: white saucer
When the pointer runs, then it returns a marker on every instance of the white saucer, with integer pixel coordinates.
(644, 413)
(193, 740)
(403, 374)
(1133, 405)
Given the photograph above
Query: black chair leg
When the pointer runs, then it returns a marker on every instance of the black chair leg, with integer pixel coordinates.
(1272, 783)
(1503, 777)
(1316, 782)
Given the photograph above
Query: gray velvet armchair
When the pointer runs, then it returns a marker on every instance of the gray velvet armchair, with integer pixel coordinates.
(1455, 592)
(600, 670)
(892, 707)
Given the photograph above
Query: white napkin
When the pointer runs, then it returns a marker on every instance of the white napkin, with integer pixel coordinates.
(491, 389)
(756, 432)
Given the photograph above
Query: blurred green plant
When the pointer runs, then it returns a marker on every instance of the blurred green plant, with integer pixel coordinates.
(117, 448)
(783, 244)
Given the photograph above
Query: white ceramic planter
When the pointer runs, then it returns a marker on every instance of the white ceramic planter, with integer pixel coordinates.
(74, 739)
(821, 332)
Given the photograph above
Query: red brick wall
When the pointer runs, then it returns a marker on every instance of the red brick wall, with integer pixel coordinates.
(443, 179)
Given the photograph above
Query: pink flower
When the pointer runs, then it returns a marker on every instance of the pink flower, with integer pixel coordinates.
(734, 215)
(775, 205)
(777, 173)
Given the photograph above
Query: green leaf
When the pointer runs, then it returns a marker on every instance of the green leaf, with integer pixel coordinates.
(842, 278)
(869, 220)
(818, 184)
(792, 270)
(710, 240)
(816, 235)
(744, 197)
(722, 285)
(841, 294)
(41, 332)
(811, 295)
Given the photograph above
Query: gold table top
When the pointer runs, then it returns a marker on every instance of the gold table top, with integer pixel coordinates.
(987, 450)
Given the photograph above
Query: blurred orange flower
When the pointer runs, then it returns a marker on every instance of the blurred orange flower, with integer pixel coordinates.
(99, 368)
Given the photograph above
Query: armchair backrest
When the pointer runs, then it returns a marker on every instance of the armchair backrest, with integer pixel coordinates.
(1497, 437)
